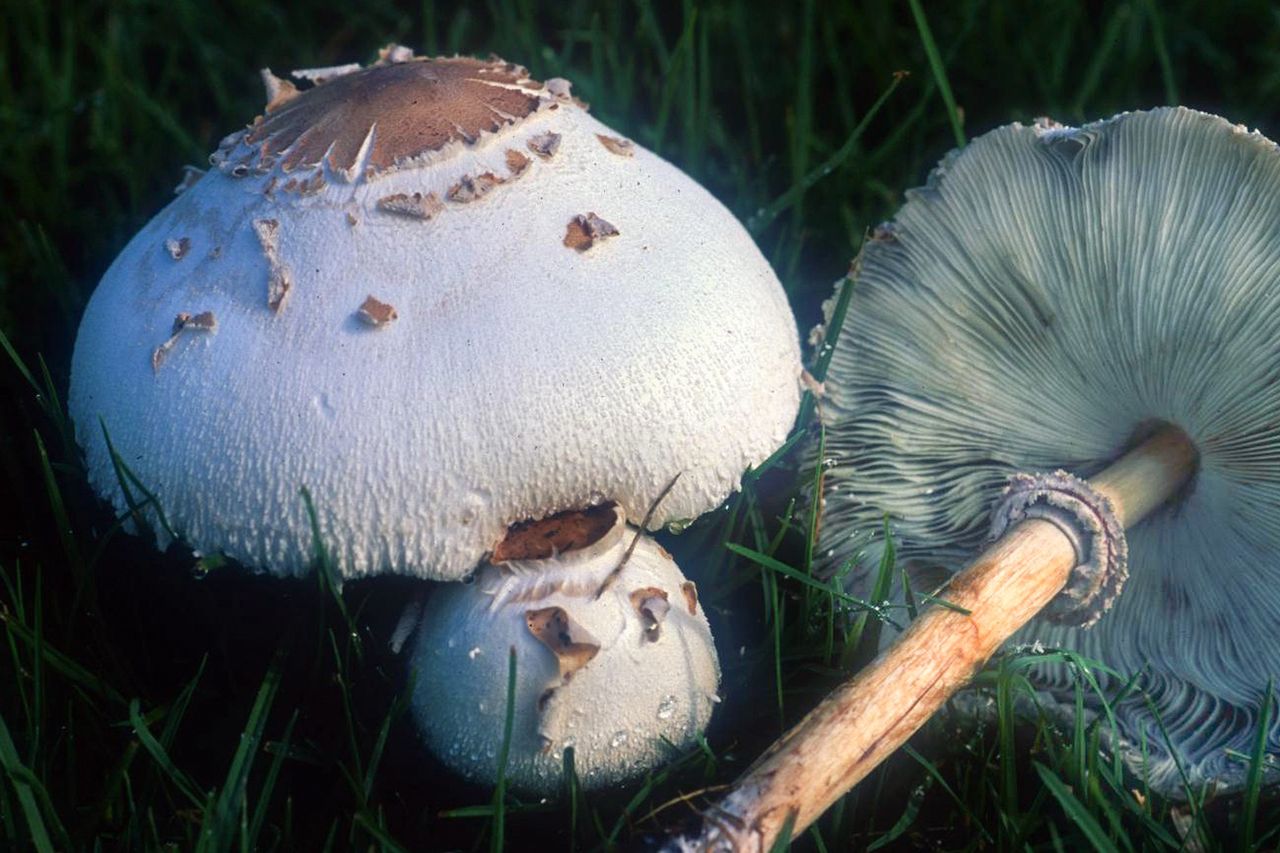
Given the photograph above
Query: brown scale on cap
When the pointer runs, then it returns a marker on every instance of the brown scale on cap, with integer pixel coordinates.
(202, 322)
(690, 590)
(412, 205)
(572, 645)
(651, 605)
(545, 145)
(583, 232)
(616, 145)
(374, 312)
(564, 531)
(417, 106)
(469, 187)
(279, 276)
(517, 162)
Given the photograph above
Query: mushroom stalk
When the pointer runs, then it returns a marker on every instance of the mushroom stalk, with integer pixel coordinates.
(868, 717)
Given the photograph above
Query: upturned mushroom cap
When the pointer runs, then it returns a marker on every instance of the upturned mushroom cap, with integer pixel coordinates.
(619, 666)
(1051, 295)
(444, 298)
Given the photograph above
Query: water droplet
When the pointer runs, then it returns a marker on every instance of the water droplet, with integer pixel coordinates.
(484, 707)
(666, 707)
(618, 740)
(453, 641)
(475, 653)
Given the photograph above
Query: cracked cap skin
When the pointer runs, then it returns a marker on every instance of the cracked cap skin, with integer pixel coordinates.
(1047, 298)
(559, 318)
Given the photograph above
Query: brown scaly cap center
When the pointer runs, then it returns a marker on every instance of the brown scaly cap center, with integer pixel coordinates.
(414, 107)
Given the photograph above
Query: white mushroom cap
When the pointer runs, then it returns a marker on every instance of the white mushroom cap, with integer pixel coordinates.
(1050, 295)
(628, 677)
(415, 304)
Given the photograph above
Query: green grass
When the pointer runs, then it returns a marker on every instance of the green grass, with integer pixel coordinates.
(165, 701)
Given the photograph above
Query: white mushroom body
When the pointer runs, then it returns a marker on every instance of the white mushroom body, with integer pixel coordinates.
(1052, 294)
(415, 305)
(626, 677)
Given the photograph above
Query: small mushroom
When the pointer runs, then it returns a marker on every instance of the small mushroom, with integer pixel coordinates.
(1100, 300)
(590, 672)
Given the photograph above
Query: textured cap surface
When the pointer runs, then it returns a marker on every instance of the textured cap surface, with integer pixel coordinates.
(416, 343)
(1049, 296)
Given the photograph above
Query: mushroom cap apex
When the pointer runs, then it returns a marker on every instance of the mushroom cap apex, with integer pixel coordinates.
(364, 122)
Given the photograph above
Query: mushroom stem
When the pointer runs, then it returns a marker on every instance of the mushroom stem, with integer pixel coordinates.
(868, 717)
(1148, 475)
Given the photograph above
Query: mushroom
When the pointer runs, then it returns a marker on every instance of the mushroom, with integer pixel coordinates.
(631, 676)
(1099, 300)
(446, 300)
(445, 366)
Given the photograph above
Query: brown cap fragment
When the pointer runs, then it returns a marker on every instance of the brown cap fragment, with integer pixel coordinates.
(517, 163)
(617, 145)
(652, 605)
(412, 205)
(202, 322)
(545, 144)
(470, 188)
(279, 276)
(584, 231)
(376, 313)
(690, 590)
(572, 645)
(416, 106)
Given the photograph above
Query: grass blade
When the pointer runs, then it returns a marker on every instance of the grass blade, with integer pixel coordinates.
(497, 837)
(1075, 810)
(1257, 763)
(24, 785)
(939, 71)
(764, 218)
(775, 565)
(161, 757)
(221, 823)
